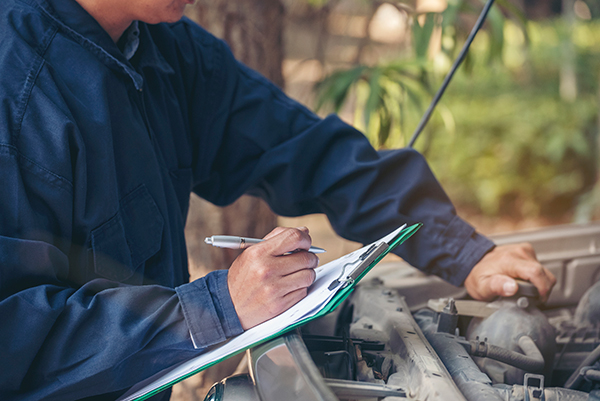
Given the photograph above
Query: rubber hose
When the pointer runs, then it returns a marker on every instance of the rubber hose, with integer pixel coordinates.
(593, 375)
(532, 361)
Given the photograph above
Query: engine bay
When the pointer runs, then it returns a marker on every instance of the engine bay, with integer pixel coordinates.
(404, 335)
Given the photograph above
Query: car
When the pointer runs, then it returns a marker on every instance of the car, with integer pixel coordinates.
(405, 335)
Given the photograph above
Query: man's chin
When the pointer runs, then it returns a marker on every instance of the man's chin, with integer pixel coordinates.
(167, 17)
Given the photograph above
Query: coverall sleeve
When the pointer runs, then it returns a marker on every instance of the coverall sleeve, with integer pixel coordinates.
(64, 338)
(265, 144)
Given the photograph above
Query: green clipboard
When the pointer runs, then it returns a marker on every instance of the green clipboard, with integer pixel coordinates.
(343, 291)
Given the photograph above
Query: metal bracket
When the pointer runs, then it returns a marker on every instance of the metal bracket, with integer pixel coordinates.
(533, 393)
(364, 261)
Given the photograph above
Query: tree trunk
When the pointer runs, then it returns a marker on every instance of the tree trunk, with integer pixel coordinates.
(253, 29)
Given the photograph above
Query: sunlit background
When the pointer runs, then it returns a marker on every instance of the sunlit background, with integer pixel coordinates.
(514, 140)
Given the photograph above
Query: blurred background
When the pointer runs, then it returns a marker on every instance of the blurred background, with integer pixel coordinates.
(514, 141)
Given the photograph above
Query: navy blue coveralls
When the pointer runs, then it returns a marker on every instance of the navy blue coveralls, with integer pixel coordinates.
(98, 155)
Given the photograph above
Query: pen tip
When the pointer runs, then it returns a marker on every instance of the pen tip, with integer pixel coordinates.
(208, 240)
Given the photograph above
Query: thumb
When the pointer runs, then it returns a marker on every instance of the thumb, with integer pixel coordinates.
(501, 285)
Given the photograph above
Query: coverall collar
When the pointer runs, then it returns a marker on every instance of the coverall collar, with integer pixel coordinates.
(83, 28)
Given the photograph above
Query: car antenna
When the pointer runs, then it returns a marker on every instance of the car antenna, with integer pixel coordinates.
(450, 74)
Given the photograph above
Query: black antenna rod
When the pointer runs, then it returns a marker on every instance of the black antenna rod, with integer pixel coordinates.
(450, 74)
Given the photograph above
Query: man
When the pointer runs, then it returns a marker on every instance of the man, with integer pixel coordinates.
(106, 125)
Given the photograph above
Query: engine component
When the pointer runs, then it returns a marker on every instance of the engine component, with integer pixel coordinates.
(475, 385)
(381, 314)
(504, 328)
(532, 361)
(584, 370)
(588, 308)
(517, 393)
(448, 318)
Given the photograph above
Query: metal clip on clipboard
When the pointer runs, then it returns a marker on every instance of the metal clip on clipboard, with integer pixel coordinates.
(365, 260)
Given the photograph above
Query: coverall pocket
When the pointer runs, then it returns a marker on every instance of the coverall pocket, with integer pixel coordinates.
(122, 244)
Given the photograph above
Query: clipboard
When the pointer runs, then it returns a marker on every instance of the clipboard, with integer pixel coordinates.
(346, 272)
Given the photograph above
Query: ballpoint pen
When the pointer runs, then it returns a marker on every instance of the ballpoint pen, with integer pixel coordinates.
(232, 242)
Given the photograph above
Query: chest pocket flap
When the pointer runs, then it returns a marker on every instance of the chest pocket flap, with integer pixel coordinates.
(129, 238)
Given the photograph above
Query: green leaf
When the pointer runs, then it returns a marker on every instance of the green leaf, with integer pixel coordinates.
(495, 21)
(516, 14)
(374, 99)
(334, 89)
(450, 14)
(385, 125)
(422, 34)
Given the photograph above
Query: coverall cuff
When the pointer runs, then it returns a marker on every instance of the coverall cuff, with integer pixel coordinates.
(474, 248)
(208, 309)
(223, 303)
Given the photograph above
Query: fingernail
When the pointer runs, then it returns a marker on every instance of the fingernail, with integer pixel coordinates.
(509, 288)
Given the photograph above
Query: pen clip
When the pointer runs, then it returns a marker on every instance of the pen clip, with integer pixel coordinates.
(365, 260)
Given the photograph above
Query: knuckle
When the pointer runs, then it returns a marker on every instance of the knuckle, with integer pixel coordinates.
(295, 235)
(253, 252)
(537, 270)
(527, 246)
(263, 273)
(277, 230)
(269, 292)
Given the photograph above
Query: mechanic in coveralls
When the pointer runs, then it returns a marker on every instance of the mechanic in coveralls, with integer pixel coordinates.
(111, 112)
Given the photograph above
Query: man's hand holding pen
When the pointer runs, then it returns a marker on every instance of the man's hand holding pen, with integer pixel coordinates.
(269, 277)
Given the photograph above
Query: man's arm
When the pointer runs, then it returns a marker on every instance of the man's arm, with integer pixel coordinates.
(268, 145)
(68, 333)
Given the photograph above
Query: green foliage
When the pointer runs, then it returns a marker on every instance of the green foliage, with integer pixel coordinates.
(501, 141)
(457, 9)
(518, 149)
(383, 94)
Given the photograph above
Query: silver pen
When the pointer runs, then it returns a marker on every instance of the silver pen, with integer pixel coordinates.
(232, 242)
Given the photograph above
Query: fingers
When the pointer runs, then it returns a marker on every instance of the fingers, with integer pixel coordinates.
(497, 285)
(539, 276)
(294, 297)
(494, 275)
(283, 265)
(527, 267)
(297, 280)
(278, 230)
(269, 277)
(287, 240)
(527, 249)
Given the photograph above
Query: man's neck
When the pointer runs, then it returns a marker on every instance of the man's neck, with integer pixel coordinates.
(110, 16)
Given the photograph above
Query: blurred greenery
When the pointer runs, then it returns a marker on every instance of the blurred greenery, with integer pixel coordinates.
(384, 94)
(516, 148)
(502, 141)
